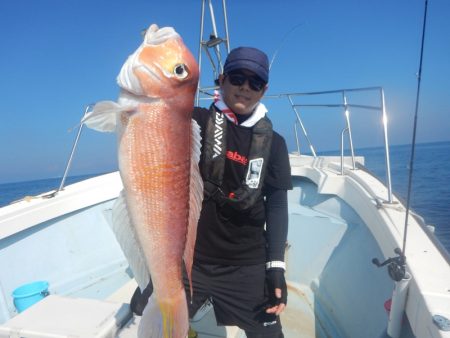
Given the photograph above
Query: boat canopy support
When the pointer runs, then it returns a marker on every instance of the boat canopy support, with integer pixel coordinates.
(212, 47)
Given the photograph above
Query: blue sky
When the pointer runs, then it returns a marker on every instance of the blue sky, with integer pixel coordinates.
(57, 56)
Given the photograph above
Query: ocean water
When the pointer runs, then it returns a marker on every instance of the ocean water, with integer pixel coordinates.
(11, 192)
(430, 196)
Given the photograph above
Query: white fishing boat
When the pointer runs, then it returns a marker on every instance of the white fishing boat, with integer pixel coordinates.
(359, 262)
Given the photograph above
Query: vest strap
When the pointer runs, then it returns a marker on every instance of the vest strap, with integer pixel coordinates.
(214, 155)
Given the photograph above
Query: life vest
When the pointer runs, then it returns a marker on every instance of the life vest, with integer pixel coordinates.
(214, 155)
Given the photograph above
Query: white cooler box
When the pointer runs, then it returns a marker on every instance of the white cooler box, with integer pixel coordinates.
(64, 317)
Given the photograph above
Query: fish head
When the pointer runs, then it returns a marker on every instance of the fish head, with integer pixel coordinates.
(162, 67)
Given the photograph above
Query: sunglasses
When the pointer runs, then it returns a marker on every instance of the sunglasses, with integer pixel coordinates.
(238, 79)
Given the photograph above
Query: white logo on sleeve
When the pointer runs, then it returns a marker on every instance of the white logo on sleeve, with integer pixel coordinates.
(269, 323)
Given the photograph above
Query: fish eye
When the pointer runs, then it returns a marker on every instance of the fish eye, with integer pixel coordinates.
(180, 71)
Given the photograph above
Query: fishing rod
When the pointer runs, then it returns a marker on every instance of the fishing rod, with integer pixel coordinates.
(275, 54)
(413, 146)
(397, 265)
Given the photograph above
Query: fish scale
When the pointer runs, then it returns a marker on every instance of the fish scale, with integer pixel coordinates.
(159, 200)
(155, 218)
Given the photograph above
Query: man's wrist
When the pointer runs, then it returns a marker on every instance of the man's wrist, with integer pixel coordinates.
(276, 264)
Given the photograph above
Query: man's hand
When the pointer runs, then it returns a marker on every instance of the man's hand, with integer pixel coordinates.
(277, 290)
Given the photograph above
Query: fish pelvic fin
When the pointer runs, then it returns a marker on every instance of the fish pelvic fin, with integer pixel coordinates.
(103, 116)
(167, 318)
(195, 200)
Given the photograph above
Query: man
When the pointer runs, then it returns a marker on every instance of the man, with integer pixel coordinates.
(239, 253)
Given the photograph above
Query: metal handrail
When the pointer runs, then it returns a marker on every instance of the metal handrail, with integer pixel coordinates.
(299, 121)
(342, 150)
(346, 106)
(72, 153)
(386, 148)
(349, 129)
(297, 140)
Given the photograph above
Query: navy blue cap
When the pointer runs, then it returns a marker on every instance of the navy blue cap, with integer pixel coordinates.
(248, 58)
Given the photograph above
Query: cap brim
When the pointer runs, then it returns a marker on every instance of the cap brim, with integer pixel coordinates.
(248, 65)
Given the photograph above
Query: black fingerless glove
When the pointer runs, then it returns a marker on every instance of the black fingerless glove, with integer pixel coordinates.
(275, 280)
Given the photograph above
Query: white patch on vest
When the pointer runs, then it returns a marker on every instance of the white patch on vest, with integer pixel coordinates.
(254, 172)
(218, 134)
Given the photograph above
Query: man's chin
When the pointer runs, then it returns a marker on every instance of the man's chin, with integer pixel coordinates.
(242, 109)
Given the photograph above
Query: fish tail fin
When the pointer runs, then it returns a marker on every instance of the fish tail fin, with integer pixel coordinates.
(168, 318)
(150, 325)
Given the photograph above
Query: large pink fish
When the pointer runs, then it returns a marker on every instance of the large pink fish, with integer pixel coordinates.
(158, 149)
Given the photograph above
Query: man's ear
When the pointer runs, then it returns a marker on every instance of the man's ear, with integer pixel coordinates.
(221, 79)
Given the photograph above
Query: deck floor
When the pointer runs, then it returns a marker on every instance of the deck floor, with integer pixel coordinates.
(298, 321)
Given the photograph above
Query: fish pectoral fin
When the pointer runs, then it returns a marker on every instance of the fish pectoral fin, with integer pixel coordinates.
(195, 199)
(127, 238)
(103, 116)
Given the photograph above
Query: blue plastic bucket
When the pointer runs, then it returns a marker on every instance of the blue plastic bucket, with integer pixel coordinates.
(28, 294)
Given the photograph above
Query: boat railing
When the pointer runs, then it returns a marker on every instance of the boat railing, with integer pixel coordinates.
(345, 130)
(298, 106)
(72, 153)
(299, 122)
(345, 105)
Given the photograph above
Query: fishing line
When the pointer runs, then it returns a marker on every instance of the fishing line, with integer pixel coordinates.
(413, 147)
(282, 42)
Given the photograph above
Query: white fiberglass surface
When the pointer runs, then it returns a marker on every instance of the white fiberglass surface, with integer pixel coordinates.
(329, 264)
(76, 253)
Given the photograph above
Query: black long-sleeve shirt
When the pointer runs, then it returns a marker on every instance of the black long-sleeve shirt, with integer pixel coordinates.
(231, 237)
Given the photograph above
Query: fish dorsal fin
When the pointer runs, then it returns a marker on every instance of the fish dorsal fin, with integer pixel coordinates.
(195, 199)
(127, 238)
(103, 116)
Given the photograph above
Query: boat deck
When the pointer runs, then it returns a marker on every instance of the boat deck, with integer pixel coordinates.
(329, 262)
(298, 320)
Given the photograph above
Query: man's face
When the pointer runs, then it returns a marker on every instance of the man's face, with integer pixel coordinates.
(241, 99)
